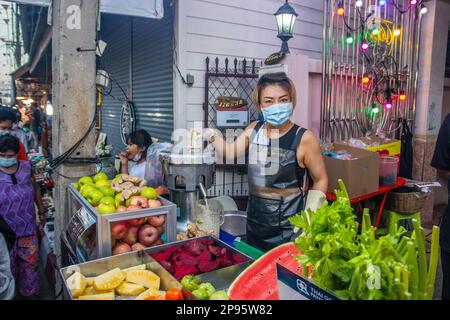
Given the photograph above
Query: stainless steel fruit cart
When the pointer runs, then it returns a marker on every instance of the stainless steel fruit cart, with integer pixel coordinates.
(88, 234)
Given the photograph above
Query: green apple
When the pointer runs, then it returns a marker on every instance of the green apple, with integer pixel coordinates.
(107, 191)
(118, 176)
(86, 189)
(100, 176)
(85, 180)
(128, 202)
(118, 201)
(106, 209)
(108, 201)
(149, 193)
(102, 183)
(77, 186)
(94, 197)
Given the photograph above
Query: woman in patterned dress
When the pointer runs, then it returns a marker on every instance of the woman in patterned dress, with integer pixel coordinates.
(18, 195)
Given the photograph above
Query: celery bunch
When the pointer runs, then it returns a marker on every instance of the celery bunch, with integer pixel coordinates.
(361, 266)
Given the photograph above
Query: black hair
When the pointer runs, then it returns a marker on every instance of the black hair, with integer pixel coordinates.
(9, 143)
(17, 114)
(141, 138)
(278, 78)
(6, 114)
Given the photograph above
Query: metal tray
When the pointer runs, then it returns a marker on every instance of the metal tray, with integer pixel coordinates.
(97, 267)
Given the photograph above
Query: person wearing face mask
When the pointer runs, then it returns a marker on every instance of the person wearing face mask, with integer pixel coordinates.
(7, 120)
(18, 195)
(18, 131)
(136, 153)
(283, 159)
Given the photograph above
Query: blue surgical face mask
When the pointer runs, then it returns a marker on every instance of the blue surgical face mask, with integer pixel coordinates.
(8, 162)
(4, 132)
(277, 114)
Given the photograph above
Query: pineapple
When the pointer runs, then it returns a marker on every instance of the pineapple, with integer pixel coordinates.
(129, 289)
(139, 267)
(90, 281)
(149, 293)
(91, 291)
(144, 278)
(101, 296)
(76, 284)
(109, 280)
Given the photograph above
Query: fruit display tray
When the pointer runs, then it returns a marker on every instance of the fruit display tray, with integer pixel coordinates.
(99, 245)
(123, 261)
(220, 278)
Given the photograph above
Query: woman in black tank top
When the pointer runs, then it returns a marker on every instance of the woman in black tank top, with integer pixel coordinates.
(281, 158)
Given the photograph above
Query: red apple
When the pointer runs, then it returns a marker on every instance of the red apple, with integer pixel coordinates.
(161, 229)
(134, 208)
(131, 236)
(121, 209)
(148, 235)
(139, 201)
(157, 221)
(162, 190)
(154, 203)
(158, 243)
(119, 230)
(138, 246)
(121, 248)
(136, 222)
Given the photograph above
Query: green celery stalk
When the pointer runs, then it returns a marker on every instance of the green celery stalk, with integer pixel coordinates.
(433, 262)
(343, 188)
(421, 246)
(402, 245)
(411, 260)
(364, 227)
(405, 278)
(398, 283)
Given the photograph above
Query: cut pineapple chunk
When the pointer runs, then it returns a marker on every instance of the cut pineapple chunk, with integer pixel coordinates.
(139, 267)
(149, 293)
(129, 289)
(91, 291)
(90, 281)
(144, 278)
(109, 280)
(102, 296)
(76, 284)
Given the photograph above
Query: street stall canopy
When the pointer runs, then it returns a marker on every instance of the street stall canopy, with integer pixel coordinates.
(140, 8)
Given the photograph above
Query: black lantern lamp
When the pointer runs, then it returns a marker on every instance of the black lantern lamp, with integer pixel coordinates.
(286, 16)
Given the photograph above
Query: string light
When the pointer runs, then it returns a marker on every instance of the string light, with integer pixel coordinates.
(413, 2)
(364, 45)
(423, 10)
(349, 38)
(359, 3)
(382, 2)
(365, 79)
(375, 108)
(402, 96)
(340, 10)
(397, 32)
(388, 105)
(375, 31)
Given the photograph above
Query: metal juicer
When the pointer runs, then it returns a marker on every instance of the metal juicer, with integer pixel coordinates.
(184, 174)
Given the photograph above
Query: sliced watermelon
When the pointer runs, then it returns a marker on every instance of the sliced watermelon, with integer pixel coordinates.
(259, 280)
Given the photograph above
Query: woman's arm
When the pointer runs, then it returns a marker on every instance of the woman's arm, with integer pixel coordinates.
(230, 151)
(309, 155)
(38, 200)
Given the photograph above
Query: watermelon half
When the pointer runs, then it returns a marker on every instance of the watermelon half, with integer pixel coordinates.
(259, 281)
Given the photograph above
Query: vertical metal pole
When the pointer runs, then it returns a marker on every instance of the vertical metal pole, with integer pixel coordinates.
(325, 43)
